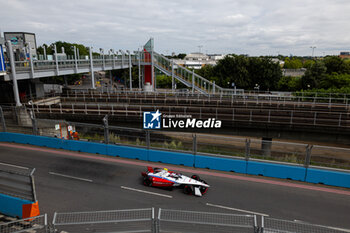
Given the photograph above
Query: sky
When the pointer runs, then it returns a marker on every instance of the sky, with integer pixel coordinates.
(254, 27)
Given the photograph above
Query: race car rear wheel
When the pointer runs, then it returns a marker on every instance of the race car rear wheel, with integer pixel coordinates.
(188, 189)
(147, 181)
(195, 177)
(202, 188)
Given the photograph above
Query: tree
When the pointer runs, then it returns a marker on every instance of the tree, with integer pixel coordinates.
(68, 48)
(335, 81)
(314, 75)
(208, 72)
(244, 72)
(335, 64)
(308, 63)
(232, 69)
(293, 63)
(288, 83)
(163, 81)
(264, 72)
(181, 55)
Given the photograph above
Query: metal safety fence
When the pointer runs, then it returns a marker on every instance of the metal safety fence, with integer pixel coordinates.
(17, 182)
(272, 225)
(36, 224)
(167, 220)
(191, 221)
(135, 220)
(296, 99)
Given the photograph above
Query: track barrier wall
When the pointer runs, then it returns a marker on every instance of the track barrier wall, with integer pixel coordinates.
(277, 170)
(13, 206)
(253, 167)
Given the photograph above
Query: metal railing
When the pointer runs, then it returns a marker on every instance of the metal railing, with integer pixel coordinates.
(192, 221)
(225, 98)
(39, 65)
(36, 224)
(272, 225)
(167, 220)
(17, 182)
(186, 76)
(135, 220)
(248, 114)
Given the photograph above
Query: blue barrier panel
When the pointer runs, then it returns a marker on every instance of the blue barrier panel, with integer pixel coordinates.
(294, 172)
(12, 206)
(328, 177)
(127, 152)
(276, 170)
(3, 137)
(89, 147)
(44, 141)
(171, 157)
(15, 137)
(32, 140)
(222, 164)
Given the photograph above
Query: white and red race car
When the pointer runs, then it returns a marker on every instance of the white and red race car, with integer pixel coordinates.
(161, 177)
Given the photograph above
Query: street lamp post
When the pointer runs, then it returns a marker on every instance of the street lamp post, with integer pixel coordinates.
(130, 72)
(313, 49)
(92, 69)
(14, 75)
(103, 58)
(44, 47)
(113, 54)
(122, 54)
(75, 59)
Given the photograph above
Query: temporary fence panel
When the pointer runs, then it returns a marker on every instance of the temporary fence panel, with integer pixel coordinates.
(17, 192)
(272, 225)
(190, 221)
(278, 151)
(220, 145)
(36, 224)
(135, 220)
(330, 157)
(171, 141)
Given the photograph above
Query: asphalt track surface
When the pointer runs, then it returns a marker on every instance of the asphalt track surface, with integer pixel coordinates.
(72, 181)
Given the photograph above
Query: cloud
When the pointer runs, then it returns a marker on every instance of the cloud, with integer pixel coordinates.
(252, 27)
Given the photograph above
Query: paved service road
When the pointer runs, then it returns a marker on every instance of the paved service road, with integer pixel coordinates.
(71, 181)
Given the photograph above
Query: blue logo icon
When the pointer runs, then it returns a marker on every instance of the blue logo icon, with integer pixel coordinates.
(14, 40)
(151, 120)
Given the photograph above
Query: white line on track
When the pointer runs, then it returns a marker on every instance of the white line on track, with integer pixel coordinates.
(235, 209)
(11, 165)
(142, 191)
(333, 228)
(71, 177)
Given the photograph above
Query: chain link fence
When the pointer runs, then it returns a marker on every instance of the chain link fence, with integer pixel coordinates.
(17, 182)
(191, 221)
(136, 220)
(167, 220)
(36, 224)
(272, 225)
(327, 156)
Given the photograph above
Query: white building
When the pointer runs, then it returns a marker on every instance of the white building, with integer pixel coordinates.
(198, 60)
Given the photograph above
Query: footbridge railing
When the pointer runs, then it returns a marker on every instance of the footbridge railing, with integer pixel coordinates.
(185, 76)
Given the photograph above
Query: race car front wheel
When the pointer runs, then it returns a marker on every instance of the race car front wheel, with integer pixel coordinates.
(202, 188)
(188, 189)
(147, 182)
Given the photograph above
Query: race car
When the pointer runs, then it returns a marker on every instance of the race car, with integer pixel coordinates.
(161, 177)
